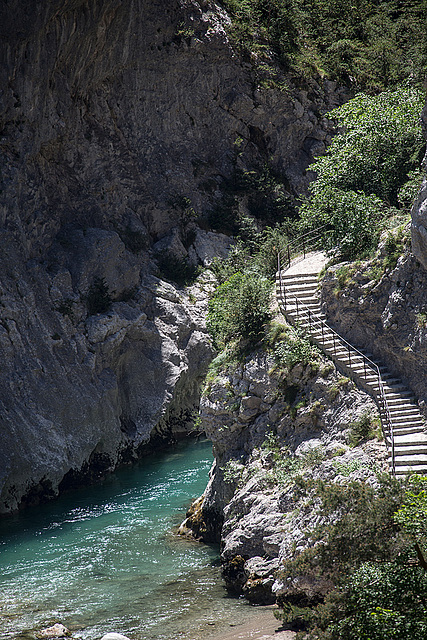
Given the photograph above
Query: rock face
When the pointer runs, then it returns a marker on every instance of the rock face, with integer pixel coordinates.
(386, 316)
(113, 111)
(419, 212)
(120, 122)
(82, 392)
(268, 426)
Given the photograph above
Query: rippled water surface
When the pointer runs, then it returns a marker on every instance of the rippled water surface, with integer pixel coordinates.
(106, 559)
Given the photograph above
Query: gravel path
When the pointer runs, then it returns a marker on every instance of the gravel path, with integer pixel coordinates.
(312, 263)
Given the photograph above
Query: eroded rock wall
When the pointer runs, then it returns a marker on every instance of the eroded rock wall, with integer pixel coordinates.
(83, 392)
(112, 110)
(119, 121)
(268, 426)
(419, 211)
(386, 316)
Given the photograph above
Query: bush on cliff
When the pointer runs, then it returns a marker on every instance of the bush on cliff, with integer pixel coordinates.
(361, 43)
(239, 310)
(373, 548)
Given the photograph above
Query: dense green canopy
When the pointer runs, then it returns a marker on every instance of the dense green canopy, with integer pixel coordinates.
(365, 44)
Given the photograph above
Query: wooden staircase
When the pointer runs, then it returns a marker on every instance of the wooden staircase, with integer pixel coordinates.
(403, 424)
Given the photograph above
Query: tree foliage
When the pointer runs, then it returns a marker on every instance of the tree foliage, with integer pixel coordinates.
(365, 44)
(372, 547)
(384, 601)
(367, 168)
(239, 309)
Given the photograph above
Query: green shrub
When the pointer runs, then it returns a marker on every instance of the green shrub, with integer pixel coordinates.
(178, 270)
(421, 319)
(98, 299)
(395, 246)
(232, 471)
(364, 169)
(296, 348)
(363, 429)
(239, 310)
(379, 601)
(364, 44)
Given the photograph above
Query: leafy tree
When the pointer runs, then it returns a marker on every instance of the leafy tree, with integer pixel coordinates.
(379, 602)
(373, 549)
(412, 515)
(365, 44)
(361, 176)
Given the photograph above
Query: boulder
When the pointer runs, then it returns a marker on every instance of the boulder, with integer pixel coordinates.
(56, 631)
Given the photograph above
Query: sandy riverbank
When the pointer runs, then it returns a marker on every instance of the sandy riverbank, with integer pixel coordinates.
(263, 627)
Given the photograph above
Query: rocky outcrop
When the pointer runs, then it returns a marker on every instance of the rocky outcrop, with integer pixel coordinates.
(385, 313)
(268, 426)
(82, 392)
(120, 124)
(419, 212)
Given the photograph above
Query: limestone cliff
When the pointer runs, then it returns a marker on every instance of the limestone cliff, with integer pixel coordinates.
(269, 425)
(119, 122)
(111, 111)
(419, 211)
(384, 313)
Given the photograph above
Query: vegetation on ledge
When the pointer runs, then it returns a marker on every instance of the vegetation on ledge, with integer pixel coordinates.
(374, 554)
(363, 44)
(370, 173)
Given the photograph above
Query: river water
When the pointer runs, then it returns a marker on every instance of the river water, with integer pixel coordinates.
(107, 559)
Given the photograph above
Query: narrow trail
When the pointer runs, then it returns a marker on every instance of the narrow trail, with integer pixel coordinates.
(403, 424)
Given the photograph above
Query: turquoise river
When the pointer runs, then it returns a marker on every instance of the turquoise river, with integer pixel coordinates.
(107, 559)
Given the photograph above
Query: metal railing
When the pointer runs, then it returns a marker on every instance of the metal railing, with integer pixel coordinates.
(305, 315)
(298, 248)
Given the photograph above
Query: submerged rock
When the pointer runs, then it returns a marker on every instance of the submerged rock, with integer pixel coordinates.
(57, 631)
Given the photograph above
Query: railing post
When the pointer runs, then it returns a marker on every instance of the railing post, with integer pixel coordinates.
(349, 355)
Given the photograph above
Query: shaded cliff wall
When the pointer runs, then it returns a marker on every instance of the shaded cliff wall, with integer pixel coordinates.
(112, 108)
(111, 112)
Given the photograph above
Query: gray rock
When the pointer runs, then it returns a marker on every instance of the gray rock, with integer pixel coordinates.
(56, 631)
(92, 389)
(261, 521)
(419, 212)
(208, 245)
(386, 320)
(110, 120)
